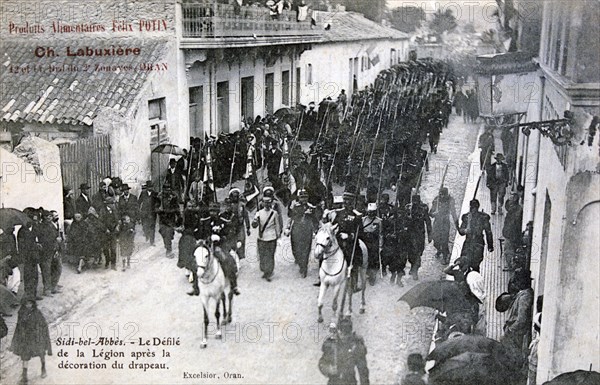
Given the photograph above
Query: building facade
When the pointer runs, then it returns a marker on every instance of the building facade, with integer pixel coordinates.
(353, 51)
(558, 166)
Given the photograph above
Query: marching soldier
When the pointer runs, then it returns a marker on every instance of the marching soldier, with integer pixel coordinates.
(240, 221)
(474, 225)
(442, 209)
(418, 223)
(342, 353)
(372, 236)
(303, 224)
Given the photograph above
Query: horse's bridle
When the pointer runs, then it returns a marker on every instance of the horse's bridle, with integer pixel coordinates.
(327, 254)
(207, 268)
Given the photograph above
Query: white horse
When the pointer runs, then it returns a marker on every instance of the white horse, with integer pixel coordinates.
(214, 287)
(333, 271)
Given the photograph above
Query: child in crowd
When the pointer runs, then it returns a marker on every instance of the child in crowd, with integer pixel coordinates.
(126, 235)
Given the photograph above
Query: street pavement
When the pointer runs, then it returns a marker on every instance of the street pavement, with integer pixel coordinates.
(274, 337)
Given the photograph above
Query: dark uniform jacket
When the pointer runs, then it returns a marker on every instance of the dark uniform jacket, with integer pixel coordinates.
(474, 242)
(349, 221)
(340, 357)
(497, 175)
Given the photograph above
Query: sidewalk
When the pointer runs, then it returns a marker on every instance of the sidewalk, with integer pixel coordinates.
(496, 280)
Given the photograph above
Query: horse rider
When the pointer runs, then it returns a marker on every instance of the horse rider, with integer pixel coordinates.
(373, 239)
(474, 225)
(350, 224)
(342, 353)
(215, 225)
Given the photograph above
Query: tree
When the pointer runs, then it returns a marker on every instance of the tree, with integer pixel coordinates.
(372, 9)
(443, 22)
(407, 19)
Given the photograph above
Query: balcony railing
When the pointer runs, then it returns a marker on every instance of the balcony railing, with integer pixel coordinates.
(210, 20)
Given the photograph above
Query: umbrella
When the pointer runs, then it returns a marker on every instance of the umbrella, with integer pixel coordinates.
(12, 217)
(470, 369)
(578, 377)
(283, 112)
(474, 344)
(441, 295)
(170, 149)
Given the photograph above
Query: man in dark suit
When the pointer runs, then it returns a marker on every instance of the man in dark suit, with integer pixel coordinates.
(29, 254)
(174, 180)
(128, 204)
(497, 180)
(149, 203)
(83, 202)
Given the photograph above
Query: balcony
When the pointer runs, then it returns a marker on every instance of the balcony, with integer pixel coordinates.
(212, 25)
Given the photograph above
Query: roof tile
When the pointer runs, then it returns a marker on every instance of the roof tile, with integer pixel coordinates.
(71, 96)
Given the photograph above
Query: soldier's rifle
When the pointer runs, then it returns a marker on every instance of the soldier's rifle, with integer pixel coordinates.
(337, 142)
(437, 207)
(400, 177)
(232, 164)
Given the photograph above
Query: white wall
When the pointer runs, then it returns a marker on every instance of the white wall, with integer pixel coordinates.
(208, 73)
(21, 187)
(330, 66)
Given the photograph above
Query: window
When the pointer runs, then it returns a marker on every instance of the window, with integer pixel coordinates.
(285, 88)
(196, 106)
(269, 93)
(298, 88)
(223, 107)
(392, 57)
(156, 109)
(157, 116)
(309, 78)
(248, 97)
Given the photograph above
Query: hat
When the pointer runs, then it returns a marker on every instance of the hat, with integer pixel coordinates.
(372, 207)
(84, 186)
(148, 184)
(125, 187)
(346, 325)
(503, 302)
(348, 195)
(499, 156)
(303, 193)
(234, 190)
(338, 199)
(107, 181)
(214, 206)
(267, 188)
